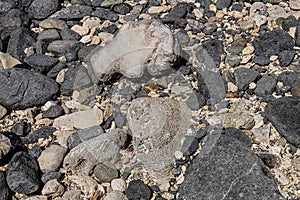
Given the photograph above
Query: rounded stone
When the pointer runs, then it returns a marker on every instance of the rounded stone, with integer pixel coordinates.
(118, 184)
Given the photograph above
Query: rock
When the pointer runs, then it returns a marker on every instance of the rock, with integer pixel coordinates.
(56, 70)
(244, 77)
(80, 120)
(5, 145)
(122, 8)
(72, 12)
(296, 91)
(137, 189)
(20, 39)
(177, 12)
(195, 101)
(244, 176)
(211, 85)
(50, 176)
(3, 111)
(294, 4)
(48, 35)
(209, 53)
(154, 48)
(265, 86)
(40, 9)
(53, 189)
(268, 159)
(104, 148)
(118, 185)
(84, 135)
(69, 34)
(290, 78)
(221, 4)
(289, 22)
(22, 174)
(53, 23)
(115, 195)
(51, 158)
(156, 134)
(35, 151)
(22, 88)
(7, 61)
(189, 146)
(286, 57)
(263, 59)
(105, 174)
(87, 184)
(72, 194)
(297, 33)
(283, 114)
(4, 190)
(109, 3)
(40, 62)
(239, 135)
(53, 112)
(232, 60)
(43, 132)
(64, 47)
(103, 13)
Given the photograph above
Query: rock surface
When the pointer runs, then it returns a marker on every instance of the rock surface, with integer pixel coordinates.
(5, 145)
(4, 190)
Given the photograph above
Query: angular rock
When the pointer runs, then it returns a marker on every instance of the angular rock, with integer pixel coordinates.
(144, 44)
(80, 120)
(284, 115)
(115, 195)
(43, 132)
(51, 158)
(53, 112)
(189, 146)
(72, 12)
(177, 12)
(286, 57)
(137, 189)
(156, 134)
(244, 77)
(290, 78)
(50, 176)
(265, 86)
(289, 22)
(226, 169)
(40, 62)
(53, 189)
(64, 46)
(69, 34)
(195, 101)
(7, 61)
(232, 60)
(4, 190)
(105, 174)
(221, 4)
(48, 35)
(53, 23)
(22, 88)
(5, 145)
(22, 174)
(122, 8)
(40, 9)
(104, 148)
(103, 13)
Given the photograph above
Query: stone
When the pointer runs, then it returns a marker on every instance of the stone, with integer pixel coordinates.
(195, 101)
(87, 185)
(289, 78)
(265, 86)
(3, 111)
(109, 3)
(115, 195)
(64, 46)
(35, 151)
(72, 194)
(50, 176)
(40, 9)
(263, 59)
(80, 120)
(83, 135)
(5, 145)
(156, 134)
(22, 88)
(297, 33)
(51, 158)
(221, 4)
(137, 189)
(22, 174)
(81, 30)
(48, 35)
(53, 112)
(269, 160)
(43, 132)
(72, 12)
(4, 190)
(118, 184)
(69, 34)
(294, 4)
(145, 44)
(107, 14)
(244, 76)
(53, 23)
(40, 62)
(189, 146)
(289, 22)
(105, 174)
(177, 12)
(7, 61)
(53, 189)
(239, 135)
(213, 174)
(283, 114)
(286, 57)
(103, 148)
(232, 60)
(122, 8)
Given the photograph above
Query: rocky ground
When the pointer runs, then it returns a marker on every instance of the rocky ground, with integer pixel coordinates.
(149, 99)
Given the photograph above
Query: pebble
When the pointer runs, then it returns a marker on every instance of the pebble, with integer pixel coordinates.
(53, 189)
(5, 145)
(40, 62)
(138, 190)
(103, 13)
(105, 174)
(43, 132)
(72, 12)
(232, 87)
(232, 60)
(248, 50)
(286, 57)
(281, 177)
(40, 9)
(113, 195)
(244, 77)
(3, 111)
(53, 112)
(178, 155)
(81, 30)
(189, 146)
(118, 184)
(50, 176)
(265, 86)
(8, 61)
(53, 23)
(297, 33)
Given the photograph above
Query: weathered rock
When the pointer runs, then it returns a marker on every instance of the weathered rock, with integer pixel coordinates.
(22, 88)
(122, 8)
(7, 61)
(189, 146)
(53, 112)
(244, 77)
(115, 195)
(105, 174)
(73, 12)
(51, 158)
(5, 145)
(50, 176)
(53, 23)
(104, 148)
(40, 62)
(214, 174)
(88, 184)
(284, 115)
(53, 189)
(145, 44)
(22, 174)
(43, 132)
(221, 4)
(138, 190)
(80, 120)
(297, 33)
(286, 57)
(155, 132)
(40, 9)
(118, 184)
(294, 4)
(265, 86)
(4, 190)
(3, 111)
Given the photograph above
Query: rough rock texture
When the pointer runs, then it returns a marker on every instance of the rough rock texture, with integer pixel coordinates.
(22, 88)
(53, 189)
(104, 148)
(5, 145)
(226, 169)
(40, 9)
(284, 115)
(138, 190)
(156, 133)
(4, 190)
(22, 174)
(151, 46)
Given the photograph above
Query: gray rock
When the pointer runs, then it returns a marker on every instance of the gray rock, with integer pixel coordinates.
(210, 28)
(153, 49)
(137, 189)
(287, 23)
(4, 190)
(51, 158)
(297, 33)
(262, 59)
(265, 86)
(50, 176)
(109, 3)
(177, 12)
(21, 128)
(286, 57)
(290, 78)
(226, 169)
(22, 88)
(40, 62)
(73, 12)
(53, 112)
(221, 4)
(5, 145)
(239, 135)
(189, 146)
(43, 132)
(244, 77)
(69, 34)
(64, 46)
(105, 174)
(195, 101)
(22, 174)
(48, 35)
(84, 135)
(103, 13)
(122, 8)
(53, 23)
(104, 148)
(40, 9)
(211, 85)
(232, 60)
(284, 115)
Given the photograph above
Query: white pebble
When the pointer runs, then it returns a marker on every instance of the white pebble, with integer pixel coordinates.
(252, 86)
(178, 155)
(232, 87)
(118, 184)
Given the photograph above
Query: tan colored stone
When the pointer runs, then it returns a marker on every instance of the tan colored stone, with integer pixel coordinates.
(80, 30)
(8, 61)
(53, 189)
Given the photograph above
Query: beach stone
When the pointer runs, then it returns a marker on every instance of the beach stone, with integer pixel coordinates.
(265, 86)
(22, 174)
(145, 44)
(4, 190)
(80, 120)
(104, 148)
(53, 189)
(283, 114)
(105, 174)
(40, 9)
(5, 145)
(242, 177)
(51, 158)
(22, 88)
(40, 62)
(118, 184)
(156, 134)
(137, 189)
(7, 61)
(244, 77)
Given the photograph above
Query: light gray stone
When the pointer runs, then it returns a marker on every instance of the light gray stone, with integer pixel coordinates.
(53, 189)
(4, 145)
